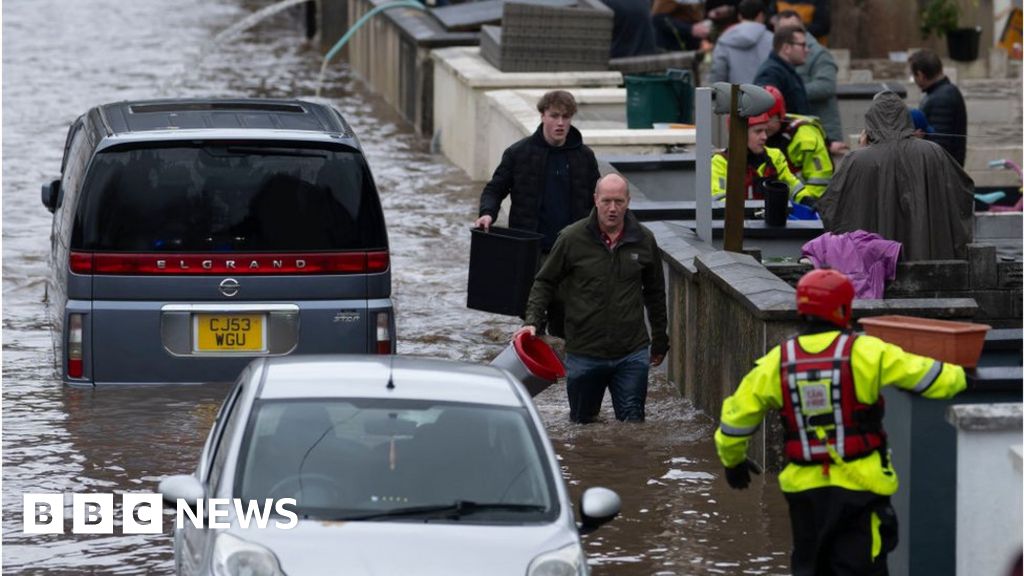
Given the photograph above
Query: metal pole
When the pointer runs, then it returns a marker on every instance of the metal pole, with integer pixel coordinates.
(705, 120)
(735, 186)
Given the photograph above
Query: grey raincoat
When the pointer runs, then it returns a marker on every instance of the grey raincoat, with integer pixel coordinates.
(903, 188)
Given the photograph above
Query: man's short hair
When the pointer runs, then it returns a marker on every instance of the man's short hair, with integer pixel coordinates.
(785, 35)
(557, 99)
(750, 9)
(926, 62)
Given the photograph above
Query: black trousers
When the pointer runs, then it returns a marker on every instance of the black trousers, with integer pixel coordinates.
(832, 532)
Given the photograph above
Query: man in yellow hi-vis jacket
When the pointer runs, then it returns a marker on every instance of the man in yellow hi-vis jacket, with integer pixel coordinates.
(827, 384)
(762, 163)
(802, 139)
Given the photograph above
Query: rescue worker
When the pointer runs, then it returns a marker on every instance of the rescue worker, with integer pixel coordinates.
(826, 384)
(762, 163)
(802, 139)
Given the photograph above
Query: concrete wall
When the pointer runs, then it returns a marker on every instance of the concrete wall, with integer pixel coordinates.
(391, 53)
(988, 487)
(995, 285)
(726, 310)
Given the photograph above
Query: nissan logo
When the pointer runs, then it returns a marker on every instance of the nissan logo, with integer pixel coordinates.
(229, 287)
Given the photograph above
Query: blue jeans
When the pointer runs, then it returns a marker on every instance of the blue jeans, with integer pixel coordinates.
(625, 378)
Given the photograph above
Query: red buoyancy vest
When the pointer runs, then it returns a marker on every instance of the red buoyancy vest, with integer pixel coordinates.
(818, 391)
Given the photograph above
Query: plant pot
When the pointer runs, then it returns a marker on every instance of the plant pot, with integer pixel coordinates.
(944, 340)
(962, 43)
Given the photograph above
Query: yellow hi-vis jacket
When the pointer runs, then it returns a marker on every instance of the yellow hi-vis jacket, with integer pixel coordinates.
(874, 364)
(778, 169)
(808, 155)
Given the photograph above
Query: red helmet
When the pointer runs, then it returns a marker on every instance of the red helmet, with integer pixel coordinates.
(759, 119)
(826, 294)
(780, 103)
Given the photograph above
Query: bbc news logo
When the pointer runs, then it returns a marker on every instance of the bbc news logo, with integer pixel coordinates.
(142, 513)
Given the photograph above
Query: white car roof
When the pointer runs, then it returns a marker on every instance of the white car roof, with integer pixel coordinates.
(411, 378)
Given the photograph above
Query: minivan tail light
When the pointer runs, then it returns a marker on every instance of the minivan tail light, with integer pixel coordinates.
(157, 264)
(383, 333)
(74, 351)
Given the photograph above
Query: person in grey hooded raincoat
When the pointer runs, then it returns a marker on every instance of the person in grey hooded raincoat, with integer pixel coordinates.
(901, 187)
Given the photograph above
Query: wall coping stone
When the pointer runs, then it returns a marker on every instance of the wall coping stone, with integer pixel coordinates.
(466, 63)
(767, 296)
(986, 417)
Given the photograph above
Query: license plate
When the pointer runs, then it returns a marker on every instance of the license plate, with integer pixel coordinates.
(229, 333)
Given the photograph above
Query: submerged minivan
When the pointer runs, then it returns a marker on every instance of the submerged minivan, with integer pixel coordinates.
(190, 236)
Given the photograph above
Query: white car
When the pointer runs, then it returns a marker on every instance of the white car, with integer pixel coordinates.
(397, 465)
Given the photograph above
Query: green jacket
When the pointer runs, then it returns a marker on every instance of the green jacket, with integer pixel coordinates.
(605, 291)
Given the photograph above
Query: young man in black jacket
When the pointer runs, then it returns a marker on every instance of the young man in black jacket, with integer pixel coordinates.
(550, 176)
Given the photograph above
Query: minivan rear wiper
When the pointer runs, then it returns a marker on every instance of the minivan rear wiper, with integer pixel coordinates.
(455, 509)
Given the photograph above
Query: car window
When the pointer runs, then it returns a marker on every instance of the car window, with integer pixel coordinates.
(353, 458)
(75, 160)
(229, 427)
(222, 196)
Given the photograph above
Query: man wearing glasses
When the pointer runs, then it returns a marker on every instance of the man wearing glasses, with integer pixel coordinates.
(789, 50)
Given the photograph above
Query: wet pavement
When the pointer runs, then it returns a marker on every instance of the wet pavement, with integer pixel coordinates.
(59, 59)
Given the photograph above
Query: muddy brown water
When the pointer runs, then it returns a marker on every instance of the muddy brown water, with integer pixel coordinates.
(62, 57)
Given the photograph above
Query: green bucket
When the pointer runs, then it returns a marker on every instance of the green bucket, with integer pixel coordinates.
(654, 98)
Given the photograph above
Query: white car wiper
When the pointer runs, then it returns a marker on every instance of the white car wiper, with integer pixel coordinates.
(455, 509)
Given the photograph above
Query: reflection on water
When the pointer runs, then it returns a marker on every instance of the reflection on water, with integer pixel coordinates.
(59, 59)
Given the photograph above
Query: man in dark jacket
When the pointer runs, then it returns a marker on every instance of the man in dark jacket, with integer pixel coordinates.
(611, 265)
(902, 188)
(550, 175)
(942, 104)
(789, 50)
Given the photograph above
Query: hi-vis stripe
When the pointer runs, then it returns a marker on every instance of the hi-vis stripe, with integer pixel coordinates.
(929, 378)
(737, 430)
(791, 377)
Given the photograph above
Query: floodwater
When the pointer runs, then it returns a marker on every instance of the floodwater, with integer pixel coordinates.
(61, 57)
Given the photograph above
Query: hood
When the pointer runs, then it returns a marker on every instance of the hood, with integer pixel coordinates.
(888, 120)
(572, 140)
(424, 549)
(744, 35)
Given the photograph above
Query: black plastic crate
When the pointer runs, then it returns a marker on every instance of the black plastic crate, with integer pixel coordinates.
(502, 264)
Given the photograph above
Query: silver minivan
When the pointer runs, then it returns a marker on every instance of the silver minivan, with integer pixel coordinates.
(395, 465)
(190, 236)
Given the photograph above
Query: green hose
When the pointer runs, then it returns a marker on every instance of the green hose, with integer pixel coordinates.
(359, 24)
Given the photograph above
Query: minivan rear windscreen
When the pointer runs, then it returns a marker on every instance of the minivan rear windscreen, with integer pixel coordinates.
(229, 197)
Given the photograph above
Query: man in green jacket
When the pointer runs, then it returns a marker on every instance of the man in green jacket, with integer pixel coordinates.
(609, 268)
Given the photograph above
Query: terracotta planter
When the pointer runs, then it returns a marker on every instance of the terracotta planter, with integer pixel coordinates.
(953, 342)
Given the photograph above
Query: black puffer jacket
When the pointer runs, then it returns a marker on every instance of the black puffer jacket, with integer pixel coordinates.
(943, 106)
(522, 174)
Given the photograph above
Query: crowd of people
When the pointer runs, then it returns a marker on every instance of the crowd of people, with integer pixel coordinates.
(600, 284)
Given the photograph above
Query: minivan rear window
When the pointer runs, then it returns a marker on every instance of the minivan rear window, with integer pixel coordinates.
(229, 197)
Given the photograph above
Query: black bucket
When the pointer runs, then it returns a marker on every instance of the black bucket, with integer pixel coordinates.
(502, 264)
(962, 43)
(776, 202)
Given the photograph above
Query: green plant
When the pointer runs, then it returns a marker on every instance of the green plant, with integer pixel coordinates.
(939, 17)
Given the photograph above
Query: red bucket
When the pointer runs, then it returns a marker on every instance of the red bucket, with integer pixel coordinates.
(532, 361)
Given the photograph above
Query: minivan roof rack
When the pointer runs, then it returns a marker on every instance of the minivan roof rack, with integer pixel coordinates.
(236, 113)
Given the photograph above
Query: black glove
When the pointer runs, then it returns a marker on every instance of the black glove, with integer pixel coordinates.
(738, 476)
